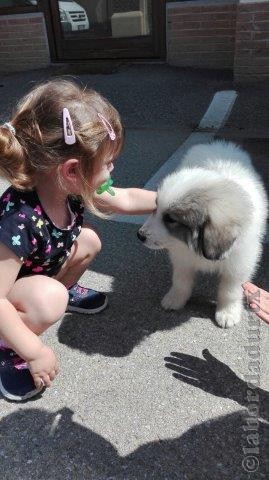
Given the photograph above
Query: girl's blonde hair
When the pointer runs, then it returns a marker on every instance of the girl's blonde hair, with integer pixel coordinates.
(38, 144)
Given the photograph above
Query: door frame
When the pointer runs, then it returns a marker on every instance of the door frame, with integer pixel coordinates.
(139, 47)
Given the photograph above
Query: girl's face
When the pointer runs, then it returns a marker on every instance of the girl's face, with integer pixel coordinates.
(103, 174)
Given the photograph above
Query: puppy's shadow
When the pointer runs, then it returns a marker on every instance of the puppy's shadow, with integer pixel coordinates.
(117, 332)
(141, 278)
(130, 318)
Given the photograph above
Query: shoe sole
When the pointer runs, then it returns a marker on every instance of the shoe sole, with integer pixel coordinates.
(17, 398)
(87, 311)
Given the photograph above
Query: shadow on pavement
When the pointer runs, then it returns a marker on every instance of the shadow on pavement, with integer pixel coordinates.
(214, 377)
(35, 443)
(39, 444)
(141, 278)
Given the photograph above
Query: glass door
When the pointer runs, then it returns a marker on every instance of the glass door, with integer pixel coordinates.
(98, 29)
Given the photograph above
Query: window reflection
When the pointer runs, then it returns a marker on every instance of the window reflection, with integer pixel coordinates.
(73, 16)
(18, 3)
(105, 18)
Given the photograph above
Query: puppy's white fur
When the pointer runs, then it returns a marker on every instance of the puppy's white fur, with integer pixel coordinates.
(211, 216)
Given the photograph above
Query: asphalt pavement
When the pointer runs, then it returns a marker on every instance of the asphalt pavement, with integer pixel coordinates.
(116, 412)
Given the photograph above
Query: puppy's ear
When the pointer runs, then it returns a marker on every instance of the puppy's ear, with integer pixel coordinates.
(183, 221)
(214, 241)
(229, 209)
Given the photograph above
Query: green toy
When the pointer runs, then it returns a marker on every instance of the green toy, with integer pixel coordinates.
(106, 187)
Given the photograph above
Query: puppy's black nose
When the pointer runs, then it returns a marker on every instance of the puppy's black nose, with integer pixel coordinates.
(141, 236)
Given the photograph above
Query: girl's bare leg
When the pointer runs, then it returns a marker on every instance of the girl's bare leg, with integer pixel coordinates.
(83, 251)
(40, 301)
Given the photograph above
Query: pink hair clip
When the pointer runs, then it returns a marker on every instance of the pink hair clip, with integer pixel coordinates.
(108, 126)
(69, 133)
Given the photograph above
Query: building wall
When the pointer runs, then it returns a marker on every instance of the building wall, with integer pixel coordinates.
(252, 41)
(23, 42)
(201, 34)
(226, 34)
(229, 34)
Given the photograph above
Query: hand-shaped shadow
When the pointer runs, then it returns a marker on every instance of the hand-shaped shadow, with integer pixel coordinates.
(213, 376)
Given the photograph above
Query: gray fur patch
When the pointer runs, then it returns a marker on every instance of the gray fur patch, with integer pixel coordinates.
(190, 223)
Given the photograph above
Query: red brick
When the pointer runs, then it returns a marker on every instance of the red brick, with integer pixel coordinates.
(184, 9)
(29, 33)
(205, 39)
(261, 52)
(245, 17)
(243, 58)
(218, 8)
(218, 16)
(196, 41)
(218, 24)
(37, 29)
(252, 69)
(24, 21)
(245, 45)
(187, 18)
(253, 60)
(203, 60)
(261, 17)
(261, 36)
(217, 32)
(18, 30)
(253, 40)
(5, 34)
(244, 36)
(185, 25)
(36, 20)
(203, 17)
(204, 48)
(254, 7)
(244, 27)
(23, 45)
(12, 29)
(261, 26)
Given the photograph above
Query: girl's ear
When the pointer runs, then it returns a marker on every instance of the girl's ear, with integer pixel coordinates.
(69, 170)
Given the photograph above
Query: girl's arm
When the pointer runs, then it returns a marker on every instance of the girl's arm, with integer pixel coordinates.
(128, 201)
(12, 329)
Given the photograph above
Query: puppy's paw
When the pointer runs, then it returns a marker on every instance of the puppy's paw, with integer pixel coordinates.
(229, 316)
(173, 300)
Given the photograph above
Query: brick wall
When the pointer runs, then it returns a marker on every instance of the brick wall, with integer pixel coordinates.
(23, 42)
(201, 34)
(252, 41)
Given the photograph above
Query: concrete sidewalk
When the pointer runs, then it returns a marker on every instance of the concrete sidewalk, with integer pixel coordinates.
(116, 412)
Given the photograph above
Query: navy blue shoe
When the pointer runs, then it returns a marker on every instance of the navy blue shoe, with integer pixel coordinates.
(85, 300)
(16, 381)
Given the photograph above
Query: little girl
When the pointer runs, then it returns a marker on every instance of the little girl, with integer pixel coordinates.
(56, 151)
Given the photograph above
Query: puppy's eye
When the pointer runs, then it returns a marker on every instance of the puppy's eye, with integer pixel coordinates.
(168, 219)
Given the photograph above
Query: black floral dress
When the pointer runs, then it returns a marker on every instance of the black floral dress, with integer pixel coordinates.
(26, 229)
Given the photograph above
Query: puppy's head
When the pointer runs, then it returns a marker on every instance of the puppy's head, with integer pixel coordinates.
(208, 217)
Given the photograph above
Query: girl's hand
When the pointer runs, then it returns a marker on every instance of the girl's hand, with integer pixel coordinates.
(44, 367)
(258, 300)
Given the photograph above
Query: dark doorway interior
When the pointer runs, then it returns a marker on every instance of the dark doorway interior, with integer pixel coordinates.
(106, 29)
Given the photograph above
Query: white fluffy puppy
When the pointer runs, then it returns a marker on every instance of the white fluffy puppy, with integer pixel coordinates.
(211, 216)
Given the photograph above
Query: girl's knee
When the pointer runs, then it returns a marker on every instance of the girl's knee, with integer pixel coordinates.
(91, 241)
(42, 300)
(51, 302)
